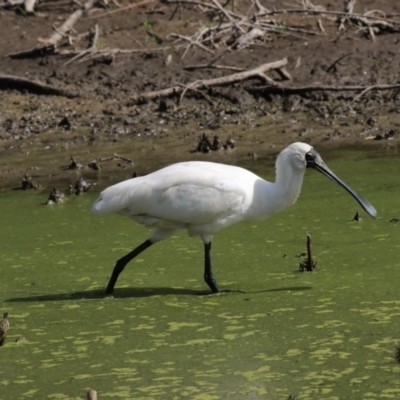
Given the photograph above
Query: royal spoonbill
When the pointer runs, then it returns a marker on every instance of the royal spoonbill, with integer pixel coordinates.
(205, 197)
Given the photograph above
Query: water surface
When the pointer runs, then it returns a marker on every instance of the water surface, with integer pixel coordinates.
(329, 334)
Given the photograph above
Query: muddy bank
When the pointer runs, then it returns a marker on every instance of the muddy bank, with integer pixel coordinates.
(39, 133)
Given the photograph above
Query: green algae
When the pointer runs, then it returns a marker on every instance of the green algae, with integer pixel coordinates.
(329, 334)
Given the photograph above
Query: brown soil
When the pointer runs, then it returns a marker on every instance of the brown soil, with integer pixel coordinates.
(39, 133)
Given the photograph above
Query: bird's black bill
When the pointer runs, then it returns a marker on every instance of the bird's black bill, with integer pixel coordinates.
(315, 161)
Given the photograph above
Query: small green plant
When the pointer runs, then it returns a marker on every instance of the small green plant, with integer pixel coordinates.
(281, 27)
(21, 11)
(32, 107)
(101, 44)
(147, 23)
(204, 26)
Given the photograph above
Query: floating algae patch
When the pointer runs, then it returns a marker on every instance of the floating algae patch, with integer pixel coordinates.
(329, 334)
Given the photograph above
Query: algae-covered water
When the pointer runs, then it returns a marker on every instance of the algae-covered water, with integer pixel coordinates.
(329, 334)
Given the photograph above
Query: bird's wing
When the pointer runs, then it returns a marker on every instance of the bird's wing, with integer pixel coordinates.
(192, 202)
(188, 193)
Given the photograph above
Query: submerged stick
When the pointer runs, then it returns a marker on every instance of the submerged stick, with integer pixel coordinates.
(310, 261)
(309, 264)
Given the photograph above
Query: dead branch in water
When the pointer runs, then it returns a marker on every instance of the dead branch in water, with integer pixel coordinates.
(308, 264)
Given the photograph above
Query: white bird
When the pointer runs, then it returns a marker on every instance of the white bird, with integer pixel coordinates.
(205, 197)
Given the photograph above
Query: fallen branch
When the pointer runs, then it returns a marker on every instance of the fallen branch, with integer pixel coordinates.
(366, 90)
(35, 52)
(314, 88)
(68, 25)
(33, 86)
(227, 15)
(239, 32)
(106, 52)
(192, 42)
(333, 65)
(202, 4)
(216, 66)
(49, 46)
(258, 72)
(92, 49)
(125, 8)
(315, 11)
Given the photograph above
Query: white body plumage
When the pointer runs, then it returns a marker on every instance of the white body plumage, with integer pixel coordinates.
(202, 197)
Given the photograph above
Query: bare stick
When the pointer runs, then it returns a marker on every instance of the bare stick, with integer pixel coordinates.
(203, 4)
(371, 33)
(216, 66)
(70, 22)
(33, 86)
(29, 6)
(107, 52)
(315, 88)
(284, 74)
(258, 72)
(333, 65)
(310, 261)
(230, 18)
(35, 52)
(84, 54)
(308, 264)
(321, 27)
(49, 46)
(123, 8)
(95, 35)
(366, 90)
(349, 6)
(192, 42)
(260, 7)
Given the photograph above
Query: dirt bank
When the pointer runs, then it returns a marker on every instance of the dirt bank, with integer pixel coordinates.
(117, 52)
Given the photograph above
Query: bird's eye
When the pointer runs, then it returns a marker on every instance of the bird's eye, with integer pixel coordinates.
(309, 157)
(310, 160)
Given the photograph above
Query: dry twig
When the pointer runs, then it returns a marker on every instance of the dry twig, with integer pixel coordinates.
(258, 73)
(125, 8)
(328, 88)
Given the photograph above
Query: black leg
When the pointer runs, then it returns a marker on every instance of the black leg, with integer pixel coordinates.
(208, 275)
(121, 263)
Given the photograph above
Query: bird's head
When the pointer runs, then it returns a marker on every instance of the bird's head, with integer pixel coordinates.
(296, 155)
(302, 156)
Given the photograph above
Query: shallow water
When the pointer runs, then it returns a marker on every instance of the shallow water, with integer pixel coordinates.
(329, 334)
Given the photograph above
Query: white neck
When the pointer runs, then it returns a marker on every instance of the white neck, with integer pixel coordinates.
(274, 197)
(287, 186)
